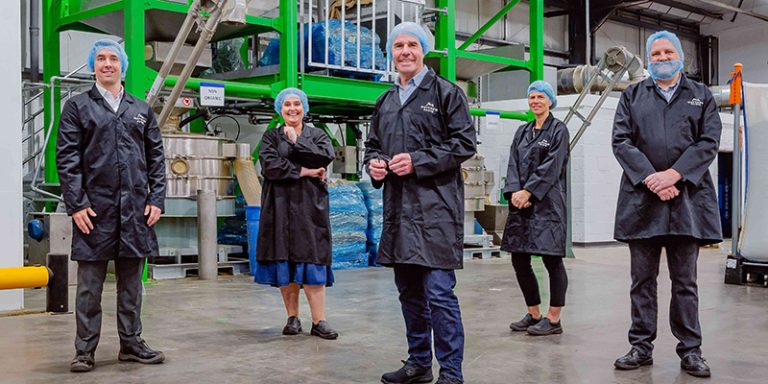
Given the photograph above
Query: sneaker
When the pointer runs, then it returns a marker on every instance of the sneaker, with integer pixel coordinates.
(83, 362)
(522, 325)
(408, 374)
(545, 327)
(140, 353)
(292, 327)
(323, 330)
(634, 359)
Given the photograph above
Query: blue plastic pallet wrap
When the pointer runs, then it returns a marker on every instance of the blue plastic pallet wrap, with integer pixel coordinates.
(374, 202)
(233, 230)
(271, 54)
(349, 223)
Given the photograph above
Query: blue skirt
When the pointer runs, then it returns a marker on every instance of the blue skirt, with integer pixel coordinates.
(282, 273)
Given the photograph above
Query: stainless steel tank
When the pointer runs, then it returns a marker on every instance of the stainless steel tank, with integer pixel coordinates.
(193, 162)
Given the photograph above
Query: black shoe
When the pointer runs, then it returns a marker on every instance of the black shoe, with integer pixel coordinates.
(140, 353)
(322, 330)
(83, 362)
(545, 327)
(448, 380)
(293, 327)
(695, 365)
(522, 325)
(408, 374)
(634, 359)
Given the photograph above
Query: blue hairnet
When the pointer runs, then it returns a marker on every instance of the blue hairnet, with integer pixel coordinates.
(113, 46)
(664, 35)
(280, 99)
(409, 28)
(545, 88)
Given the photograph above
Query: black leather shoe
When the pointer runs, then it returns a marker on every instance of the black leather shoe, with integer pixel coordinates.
(323, 330)
(545, 327)
(634, 359)
(522, 325)
(448, 380)
(292, 327)
(695, 365)
(408, 374)
(140, 353)
(83, 362)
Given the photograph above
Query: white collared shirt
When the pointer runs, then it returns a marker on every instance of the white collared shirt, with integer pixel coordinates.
(114, 102)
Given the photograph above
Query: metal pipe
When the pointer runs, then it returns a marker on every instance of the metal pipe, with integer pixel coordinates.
(39, 164)
(170, 60)
(24, 277)
(357, 39)
(502, 114)
(34, 37)
(205, 37)
(373, 35)
(301, 34)
(207, 247)
(736, 182)
(588, 32)
(343, 29)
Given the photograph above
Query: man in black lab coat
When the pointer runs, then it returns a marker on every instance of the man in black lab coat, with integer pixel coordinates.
(665, 136)
(110, 159)
(421, 132)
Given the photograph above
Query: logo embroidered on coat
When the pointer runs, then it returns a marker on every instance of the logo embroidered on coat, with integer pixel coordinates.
(429, 107)
(696, 102)
(140, 119)
(543, 143)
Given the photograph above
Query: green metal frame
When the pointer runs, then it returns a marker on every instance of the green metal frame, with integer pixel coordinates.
(329, 95)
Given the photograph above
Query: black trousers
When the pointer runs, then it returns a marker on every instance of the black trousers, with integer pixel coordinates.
(90, 285)
(558, 279)
(682, 254)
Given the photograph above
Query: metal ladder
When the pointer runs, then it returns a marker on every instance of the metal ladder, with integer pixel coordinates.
(617, 61)
(206, 26)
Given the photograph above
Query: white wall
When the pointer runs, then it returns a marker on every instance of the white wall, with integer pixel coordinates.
(743, 41)
(10, 152)
(595, 173)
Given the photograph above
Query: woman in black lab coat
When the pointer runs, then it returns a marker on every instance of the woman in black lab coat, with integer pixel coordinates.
(294, 244)
(536, 225)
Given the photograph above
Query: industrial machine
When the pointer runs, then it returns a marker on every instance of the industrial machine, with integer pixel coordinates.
(167, 45)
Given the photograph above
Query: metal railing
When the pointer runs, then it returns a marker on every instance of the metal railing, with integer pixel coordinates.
(409, 10)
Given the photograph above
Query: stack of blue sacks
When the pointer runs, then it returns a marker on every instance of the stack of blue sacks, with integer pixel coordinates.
(271, 54)
(349, 223)
(355, 216)
(374, 203)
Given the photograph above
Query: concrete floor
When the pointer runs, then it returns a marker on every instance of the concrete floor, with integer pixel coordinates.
(228, 331)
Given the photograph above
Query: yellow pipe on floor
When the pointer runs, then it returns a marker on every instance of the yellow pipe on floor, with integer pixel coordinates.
(24, 277)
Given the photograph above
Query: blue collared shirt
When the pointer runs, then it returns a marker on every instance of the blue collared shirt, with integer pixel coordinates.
(670, 91)
(413, 83)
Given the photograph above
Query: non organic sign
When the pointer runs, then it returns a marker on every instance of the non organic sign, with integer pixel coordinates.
(212, 94)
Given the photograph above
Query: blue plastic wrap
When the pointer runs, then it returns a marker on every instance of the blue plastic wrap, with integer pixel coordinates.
(374, 202)
(271, 54)
(233, 230)
(349, 222)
